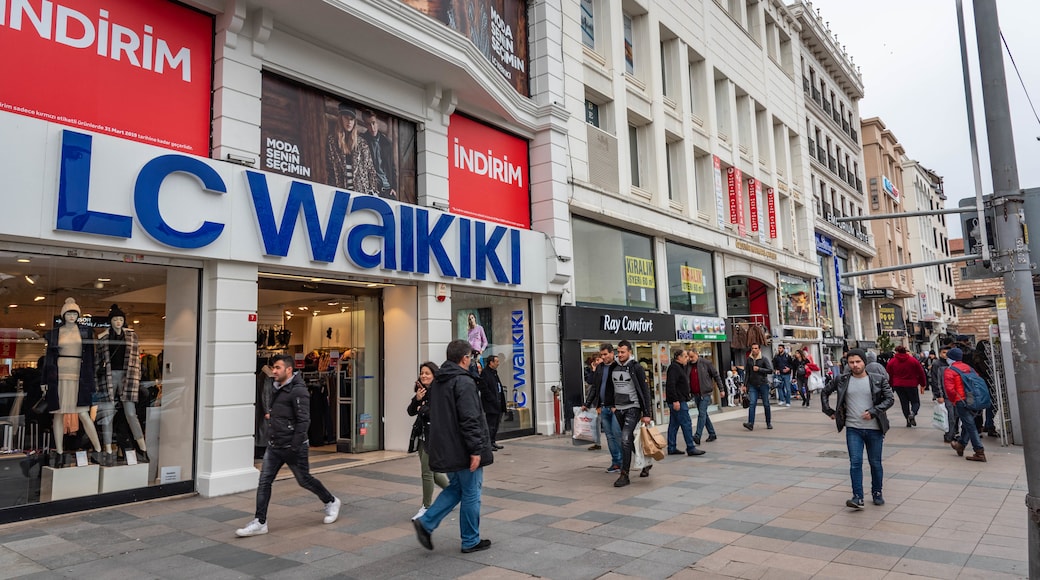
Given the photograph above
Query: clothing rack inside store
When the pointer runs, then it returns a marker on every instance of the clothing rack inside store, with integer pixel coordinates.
(747, 329)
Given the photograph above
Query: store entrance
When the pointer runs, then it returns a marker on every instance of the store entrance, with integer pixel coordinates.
(652, 356)
(333, 332)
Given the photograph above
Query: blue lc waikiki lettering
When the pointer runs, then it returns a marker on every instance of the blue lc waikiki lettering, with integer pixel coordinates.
(407, 238)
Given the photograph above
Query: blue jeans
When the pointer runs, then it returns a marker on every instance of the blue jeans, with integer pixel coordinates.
(629, 420)
(463, 487)
(298, 464)
(680, 419)
(703, 420)
(873, 440)
(610, 428)
(968, 430)
(756, 393)
(783, 390)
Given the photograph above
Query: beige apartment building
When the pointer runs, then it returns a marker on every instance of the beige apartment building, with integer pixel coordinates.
(886, 304)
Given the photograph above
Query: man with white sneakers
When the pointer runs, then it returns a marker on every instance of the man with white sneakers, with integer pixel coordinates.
(288, 419)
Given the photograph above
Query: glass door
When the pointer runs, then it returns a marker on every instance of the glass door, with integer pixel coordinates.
(359, 417)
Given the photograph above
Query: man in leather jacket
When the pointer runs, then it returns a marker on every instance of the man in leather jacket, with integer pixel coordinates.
(459, 446)
(288, 419)
(863, 400)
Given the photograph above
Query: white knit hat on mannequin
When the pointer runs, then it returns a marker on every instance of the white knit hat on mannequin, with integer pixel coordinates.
(70, 304)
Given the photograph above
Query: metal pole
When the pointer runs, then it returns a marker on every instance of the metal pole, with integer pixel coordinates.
(1012, 260)
(973, 141)
(905, 214)
(912, 266)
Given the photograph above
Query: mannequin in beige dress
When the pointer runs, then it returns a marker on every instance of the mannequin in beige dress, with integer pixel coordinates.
(66, 352)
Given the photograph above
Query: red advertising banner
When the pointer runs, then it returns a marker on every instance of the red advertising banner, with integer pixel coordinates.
(488, 173)
(310, 134)
(771, 205)
(753, 187)
(8, 343)
(136, 69)
(735, 179)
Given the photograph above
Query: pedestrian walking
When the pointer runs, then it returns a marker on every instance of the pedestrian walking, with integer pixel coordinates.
(459, 446)
(783, 368)
(759, 372)
(419, 408)
(703, 375)
(288, 419)
(493, 398)
(954, 387)
(677, 396)
(597, 400)
(863, 400)
(908, 381)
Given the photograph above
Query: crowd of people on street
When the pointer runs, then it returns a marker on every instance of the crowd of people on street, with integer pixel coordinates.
(458, 406)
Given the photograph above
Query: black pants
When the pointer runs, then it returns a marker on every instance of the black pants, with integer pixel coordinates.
(628, 419)
(909, 400)
(297, 461)
(493, 419)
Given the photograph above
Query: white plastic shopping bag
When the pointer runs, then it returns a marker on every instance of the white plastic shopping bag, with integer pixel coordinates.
(940, 417)
(639, 460)
(583, 430)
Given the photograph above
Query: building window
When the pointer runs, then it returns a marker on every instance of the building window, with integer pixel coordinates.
(698, 85)
(691, 280)
(633, 156)
(674, 161)
(591, 113)
(588, 24)
(613, 267)
(704, 171)
(630, 64)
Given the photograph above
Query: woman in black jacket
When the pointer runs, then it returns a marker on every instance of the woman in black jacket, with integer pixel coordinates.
(419, 408)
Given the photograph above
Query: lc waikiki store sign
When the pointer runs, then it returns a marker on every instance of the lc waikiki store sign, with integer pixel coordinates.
(77, 188)
(136, 69)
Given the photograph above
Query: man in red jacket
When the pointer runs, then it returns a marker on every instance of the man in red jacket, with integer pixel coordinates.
(908, 381)
(954, 387)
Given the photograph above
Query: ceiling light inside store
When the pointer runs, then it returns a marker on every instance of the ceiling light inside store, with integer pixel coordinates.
(24, 260)
(99, 285)
(39, 298)
(12, 306)
(302, 308)
(32, 278)
(104, 279)
(137, 322)
(42, 324)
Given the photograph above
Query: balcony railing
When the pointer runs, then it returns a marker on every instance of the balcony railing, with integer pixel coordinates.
(836, 116)
(842, 174)
(832, 163)
(812, 146)
(821, 154)
(859, 185)
(827, 107)
(845, 126)
(805, 84)
(855, 135)
(816, 95)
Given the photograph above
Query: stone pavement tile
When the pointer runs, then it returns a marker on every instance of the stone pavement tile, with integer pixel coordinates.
(764, 544)
(1002, 565)
(877, 561)
(778, 574)
(25, 569)
(303, 572)
(949, 556)
(592, 539)
(846, 531)
(494, 572)
(642, 568)
(505, 515)
(962, 536)
(881, 548)
(733, 525)
(311, 554)
(183, 567)
(641, 502)
(624, 547)
(696, 574)
(62, 558)
(920, 568)
(244, 560)
(800, 514)
(838, 571)
(575, 525)
(1007, 553)
(717, 535)
(826, 540)
(1006, 541)
(659, 515)
(109, 517)
(733, 569)
(343, 563)
(221, 514)
(910, 518)
(792, 523)
(696, 546)
(539, 519)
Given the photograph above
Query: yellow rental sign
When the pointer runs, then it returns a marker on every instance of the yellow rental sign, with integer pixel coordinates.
(639, 272)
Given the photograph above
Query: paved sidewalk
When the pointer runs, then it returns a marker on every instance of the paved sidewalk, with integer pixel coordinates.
(761, 504)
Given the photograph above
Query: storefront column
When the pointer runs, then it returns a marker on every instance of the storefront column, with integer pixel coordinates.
(236, 80)
(401, 366)
(545, 314)
(227, 389)
(434, 323)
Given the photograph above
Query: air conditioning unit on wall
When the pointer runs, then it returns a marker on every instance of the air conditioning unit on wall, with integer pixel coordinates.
(603, 159)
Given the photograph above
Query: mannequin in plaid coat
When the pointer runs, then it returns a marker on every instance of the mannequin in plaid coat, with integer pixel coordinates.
(119, 378)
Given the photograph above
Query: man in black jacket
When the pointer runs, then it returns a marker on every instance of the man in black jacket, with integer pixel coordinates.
(459, 446)
(629, 395)
(493, 398)
(863, 400)
(677, 396)
(759, 372)
(288, 419)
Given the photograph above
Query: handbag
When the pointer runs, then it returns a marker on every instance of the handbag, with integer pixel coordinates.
(652, 442)
(745, 400)
(40, 407)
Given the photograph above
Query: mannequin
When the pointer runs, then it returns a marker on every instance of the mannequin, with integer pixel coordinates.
(68, 375)
(119, 375)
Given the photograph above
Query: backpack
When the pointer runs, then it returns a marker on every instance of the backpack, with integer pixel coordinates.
(976, 392)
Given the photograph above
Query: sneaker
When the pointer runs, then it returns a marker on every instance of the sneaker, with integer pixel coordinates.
(855, 503)
(422, 535)
(419, 514)
(253, 528)
(711, 438)
(749, 426)
(878, 499)
(332, 510)
(622, 480)
(595, 448)
(479, 547)
(614, 469)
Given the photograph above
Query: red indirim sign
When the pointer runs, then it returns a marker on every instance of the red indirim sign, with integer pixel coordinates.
(136, 69)
(488, 176)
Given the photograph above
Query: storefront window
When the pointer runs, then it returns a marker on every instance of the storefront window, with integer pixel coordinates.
(97, 376)
(500, 326)
(613, 266)
(823, 291)
(795, 301)
(691, 280)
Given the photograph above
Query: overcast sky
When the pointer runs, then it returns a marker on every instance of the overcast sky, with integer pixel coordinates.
(909, 55)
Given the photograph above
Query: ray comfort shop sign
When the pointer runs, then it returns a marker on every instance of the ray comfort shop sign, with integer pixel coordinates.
(87, 189)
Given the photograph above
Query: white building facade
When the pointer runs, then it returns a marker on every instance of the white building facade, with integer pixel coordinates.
(833, 88)
(928, 238)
